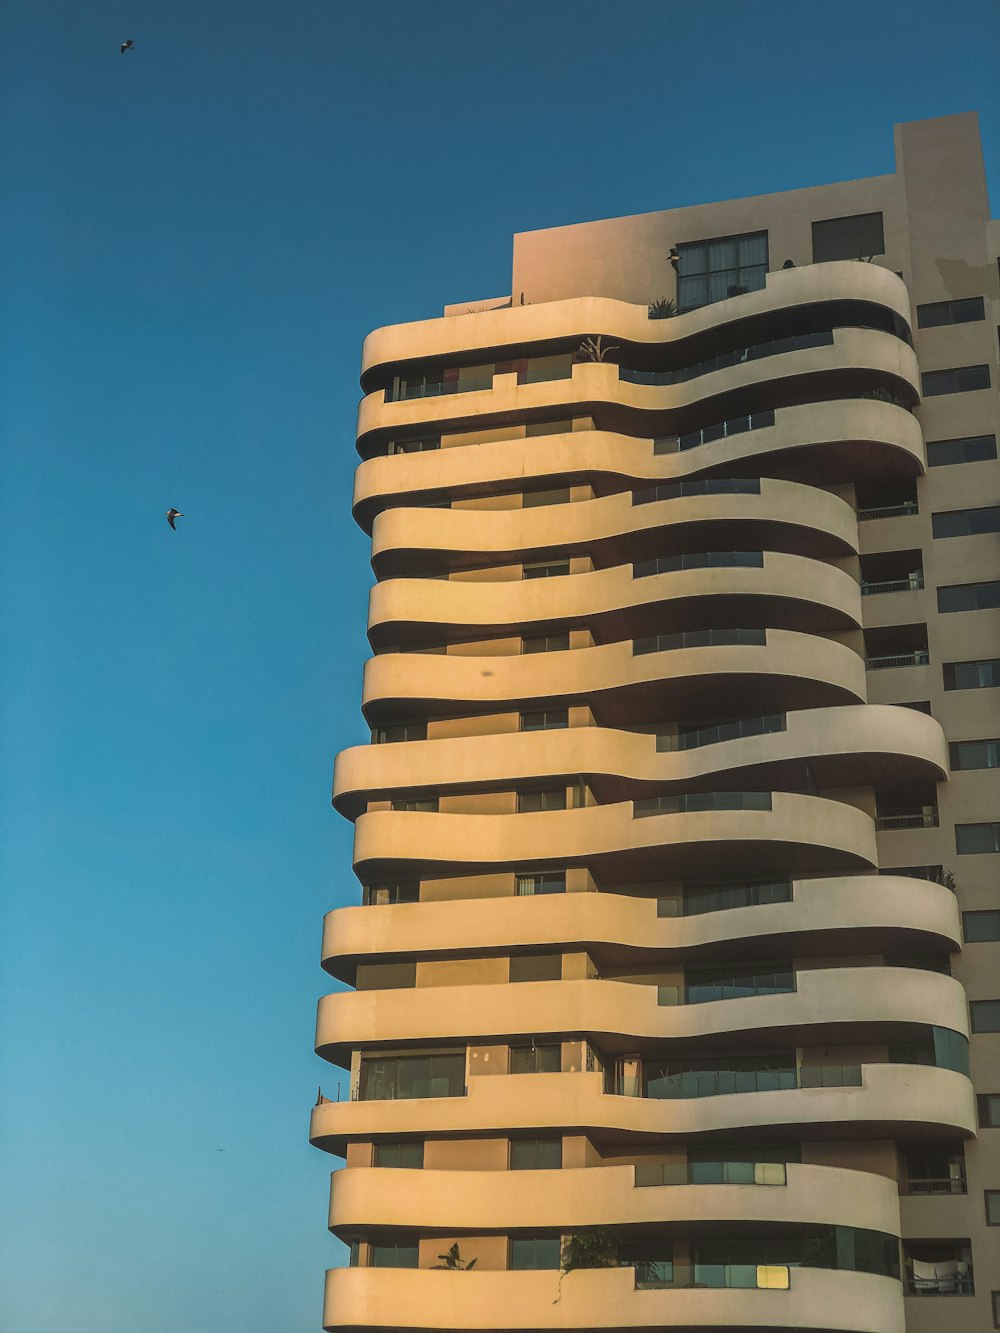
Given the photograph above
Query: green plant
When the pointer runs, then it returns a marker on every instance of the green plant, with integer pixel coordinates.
(662, 308)
(595, 349)
(454, 1262)
(594, 1248)
(882, 395)
(946, 879)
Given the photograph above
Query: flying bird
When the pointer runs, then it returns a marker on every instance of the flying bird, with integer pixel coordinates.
(171, 515)
(127, 46)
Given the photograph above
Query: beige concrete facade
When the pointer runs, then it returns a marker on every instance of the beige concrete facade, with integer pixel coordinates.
(679, 833)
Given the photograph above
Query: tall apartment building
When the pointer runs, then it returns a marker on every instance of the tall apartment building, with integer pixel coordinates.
(679, 832)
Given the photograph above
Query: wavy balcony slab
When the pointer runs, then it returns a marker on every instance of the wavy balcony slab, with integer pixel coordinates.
(621, 322)
(866, 744)
(818, 1300)
(864, 913)
(790, 670)
(829, 1005)
(799, 834)
(787, 591)
(915, 1102)
(839, 440)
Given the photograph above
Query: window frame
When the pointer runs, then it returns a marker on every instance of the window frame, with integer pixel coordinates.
(990, 441)
(685, 251)
(936, 384)
(948, 309)
(979, 1006)
(984, 595)
(979, 913)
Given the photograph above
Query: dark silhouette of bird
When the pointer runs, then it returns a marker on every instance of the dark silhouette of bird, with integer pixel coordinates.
(171, 515)
(127, 46)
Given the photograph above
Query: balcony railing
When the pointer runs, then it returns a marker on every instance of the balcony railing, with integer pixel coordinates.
(912, 583)
(718, 430)
(699, 638)
(946, 1284)
(926, 818)
(710, 1173)
(702, 800)
(771, 1277)
(670, 564)
(681, 374)
(936, 1185)
(725, 897)
(724, 1082)
(674, 490)
(919, 657)
(888, 511)
(722, 731)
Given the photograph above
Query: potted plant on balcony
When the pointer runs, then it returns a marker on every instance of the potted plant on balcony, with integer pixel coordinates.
(662, 308)
(454, 1262)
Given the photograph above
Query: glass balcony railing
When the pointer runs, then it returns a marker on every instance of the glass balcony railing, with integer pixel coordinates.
(718, 430)
(699, 638)
(675, 490)
(651, 1276)
(718, 898)
(725, 1082)
(681, 374)
(702, 800)
(710, 1173)
(722, 731)
(670, 564)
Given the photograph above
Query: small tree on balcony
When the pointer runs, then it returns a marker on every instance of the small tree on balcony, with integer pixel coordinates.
(454, 1262)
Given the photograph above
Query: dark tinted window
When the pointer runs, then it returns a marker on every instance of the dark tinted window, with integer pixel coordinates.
(531, 802)
(982, 675)
(992, 1199)
(988, 1104)
(399, 1154)
(960, 379)
(535, 1154)
(985, 1015)
(950, 312)
(968, 449)
(969, 596)
(380, 895)
(981, 927)
(552, 570)
(855, 237)
(400, 731)
(710, 271)
(545, 643)
(387, 1078)
(536, 1058)
(542, 881)
(976, 839)
(423, 804)
(551, 719)
(536, 967)
(395, 1254)
(966, 522)
(534, 1252)
(974, 754)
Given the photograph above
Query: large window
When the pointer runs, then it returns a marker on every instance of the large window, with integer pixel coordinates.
(966, 522)
(383, 895)
(974, 754)
(534, 1252)
(982, 675)
(400, 1153)
(959, 379)
(988, 1106)
(531, 802)
(969, 596)
(535, 1154)
(859, 236)
(393, 1253)
(551, 719)
(540, 881)
(980, 927)
(984, 1015)
(950, 312)
(710, 271)
(536, 1058)
(968, 449)
(391, 1077)
(971, 839)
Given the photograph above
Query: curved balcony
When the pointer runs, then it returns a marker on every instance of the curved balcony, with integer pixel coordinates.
(606, 1196)
(867, 744)
(790, 591)
(863, 913)
(826, 441)
(787, 670)
(819, 1300)
(798, 834)
(916, 1102)
(773, 516)
(635, 408)
(867, 1000)
(517, 327)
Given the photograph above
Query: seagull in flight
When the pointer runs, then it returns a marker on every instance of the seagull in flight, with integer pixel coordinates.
(127, 46)
(171, 515)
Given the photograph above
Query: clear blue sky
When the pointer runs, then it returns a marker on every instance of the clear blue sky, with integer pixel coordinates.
(194, 238)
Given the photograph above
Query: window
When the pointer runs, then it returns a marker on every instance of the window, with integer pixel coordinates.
(969, 596)
(988, 1106)
(536, 1058)
(400, 731)
(966, 522)
(710, 271)
(388, 1253)
(974, 839)
(935, 1171)
(414, 446)
(960, 379)
(390, 1077)
(545, 643)
(381, 895)
(533, 802)
(935, 314)
(534, 1252)
(857, 237)
(732, 982)
(978, 927)
(985, 1015)
(992, 1200)
(551, 719)
(982, 675)
(542, 881)
(553, 570)
(423, 804)
(533, 499)
(536, 967)
(399, 1154)
(970, 449)
(535, 1154)
(974, 754)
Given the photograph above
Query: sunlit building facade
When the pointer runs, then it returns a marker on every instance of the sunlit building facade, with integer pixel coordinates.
(673, 984)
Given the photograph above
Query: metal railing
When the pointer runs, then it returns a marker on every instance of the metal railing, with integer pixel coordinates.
(718, 430)
(725, 897)
(670, 564)
(681, 374)
(675, 490)
(722, 731)
(912, 583)
(936, 1185)
(699, 638)
(920, 657)
(888, 511)
(927, 818)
